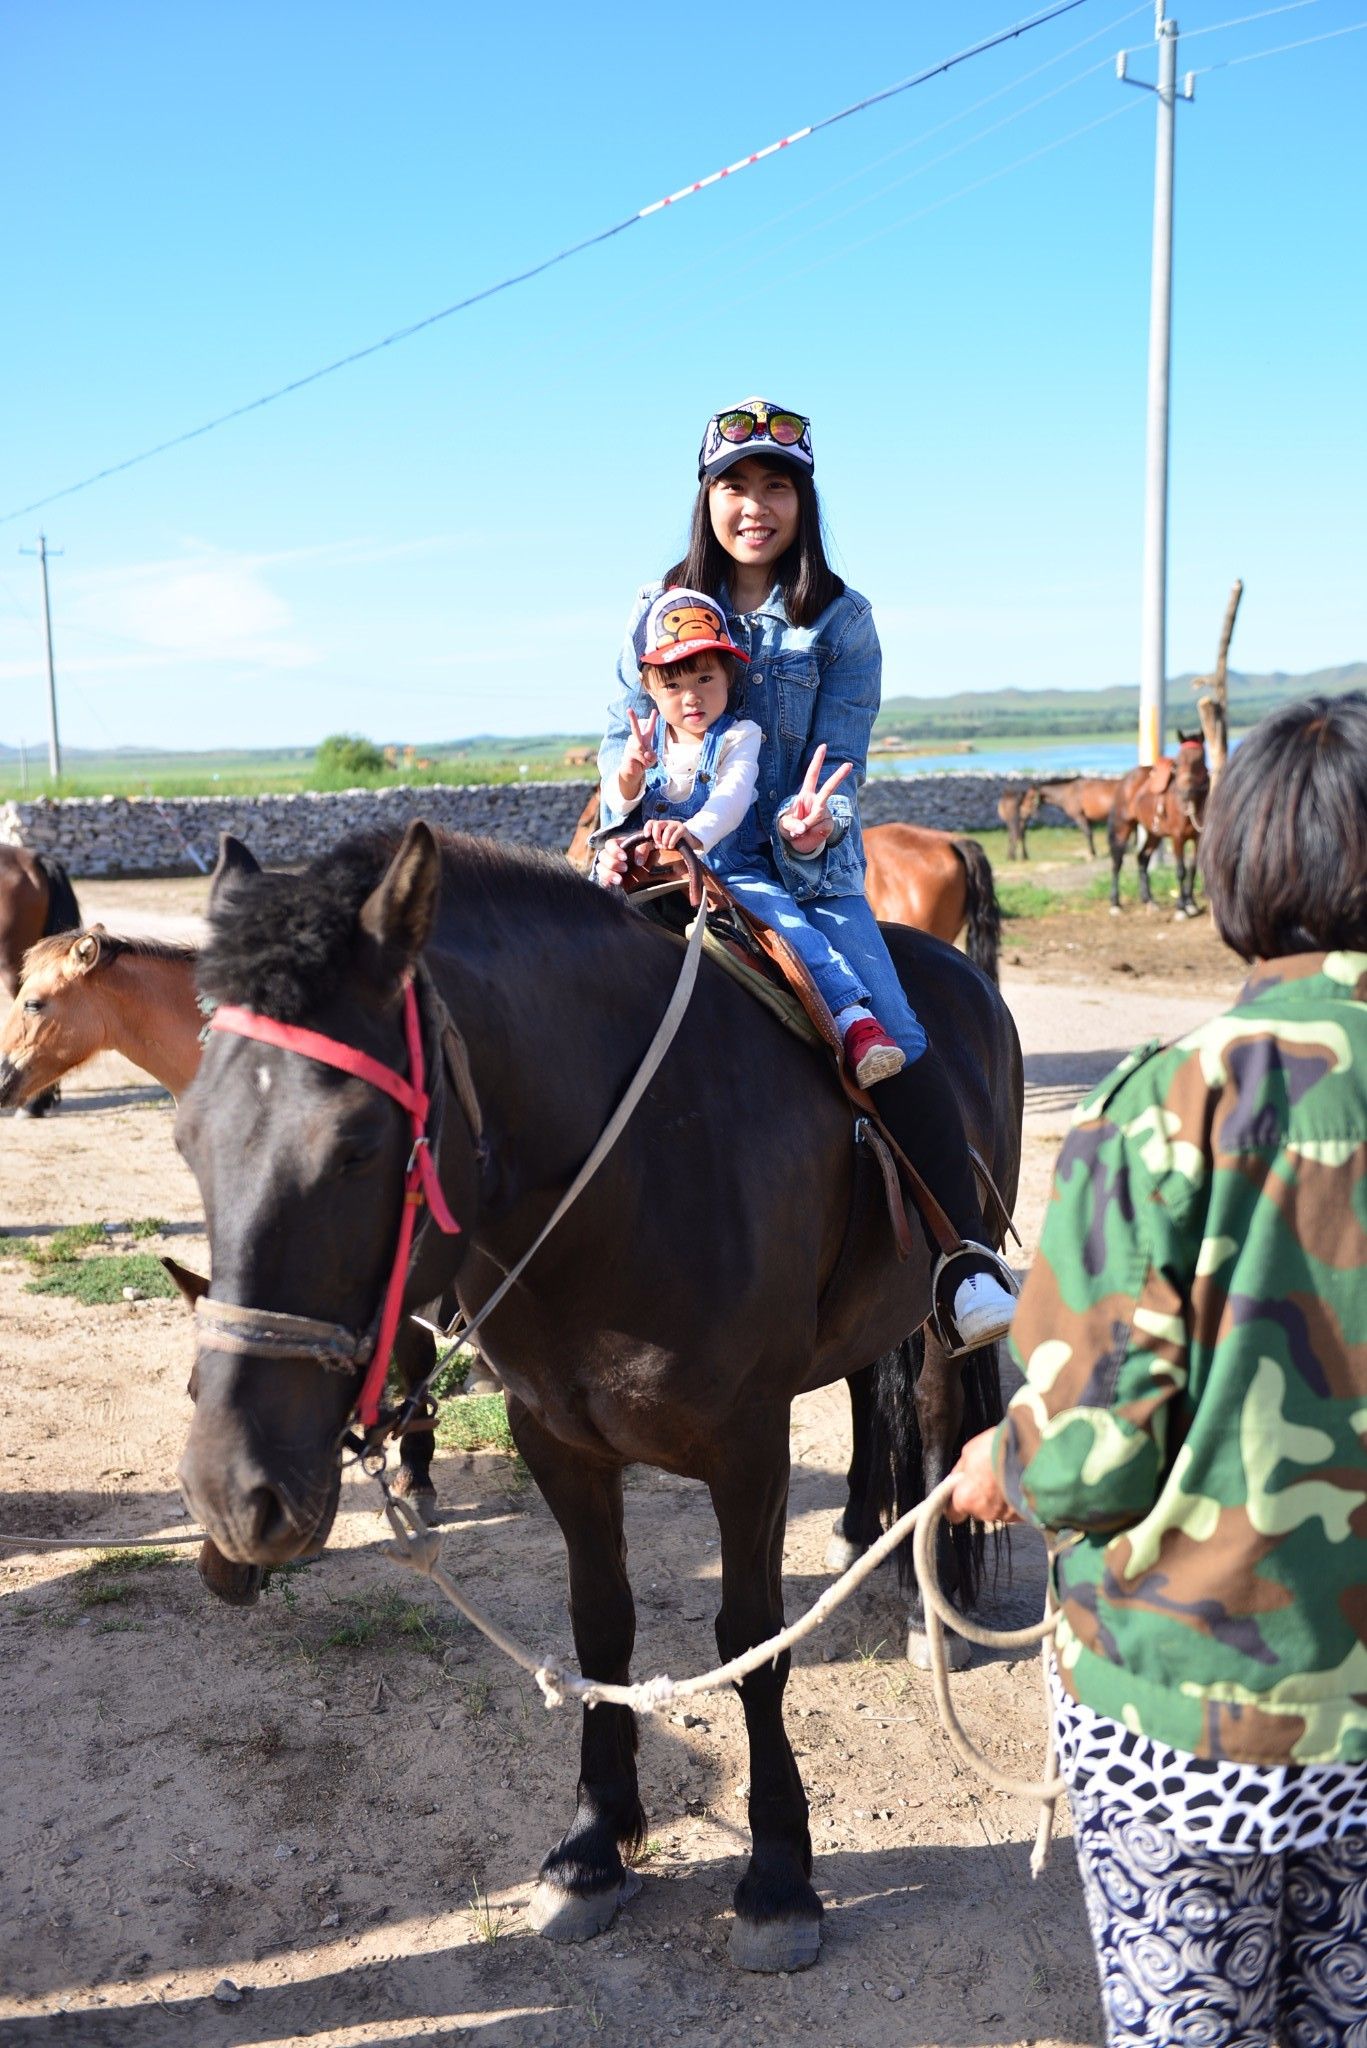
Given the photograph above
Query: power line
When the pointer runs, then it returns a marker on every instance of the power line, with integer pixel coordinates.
(1279, 49)
(1241, 20)
(401, 334)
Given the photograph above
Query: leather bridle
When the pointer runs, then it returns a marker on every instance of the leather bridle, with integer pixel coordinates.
(231, 1326)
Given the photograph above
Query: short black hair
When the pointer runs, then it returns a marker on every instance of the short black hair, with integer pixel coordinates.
(1284, 848)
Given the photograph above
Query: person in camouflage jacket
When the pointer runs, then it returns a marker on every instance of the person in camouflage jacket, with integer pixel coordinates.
(1193, 1335)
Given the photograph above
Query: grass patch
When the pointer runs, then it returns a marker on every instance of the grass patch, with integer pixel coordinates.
(479, 1423)
(147, 1226)
(63, 1245)
(386, 1621)
(114, 1563)
(453, 1375)
(1031, 899)
(97, 1282)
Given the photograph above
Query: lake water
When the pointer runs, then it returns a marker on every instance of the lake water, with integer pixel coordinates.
(1019, 757)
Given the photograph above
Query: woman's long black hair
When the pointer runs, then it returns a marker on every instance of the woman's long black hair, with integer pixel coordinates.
(807, 580)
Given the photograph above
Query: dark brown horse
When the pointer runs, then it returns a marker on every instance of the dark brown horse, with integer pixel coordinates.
(36, 899)
(940, 882)
(1015, 808)
(1165, 801)
(1086, 799)
(680, 1306)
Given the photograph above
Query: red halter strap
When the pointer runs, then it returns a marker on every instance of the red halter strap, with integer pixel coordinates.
(420, 1181)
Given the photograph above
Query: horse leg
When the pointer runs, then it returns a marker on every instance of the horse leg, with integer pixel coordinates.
(955, 1399)
(1091, 838)
(584, 1880)
(1143, 855)
(1119, 836)
(415, 1353)
(857, 1525)
(778, 1914)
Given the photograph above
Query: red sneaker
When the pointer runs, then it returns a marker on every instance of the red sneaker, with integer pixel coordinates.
(870, 1054)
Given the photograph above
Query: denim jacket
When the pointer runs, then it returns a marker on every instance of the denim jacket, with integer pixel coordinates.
(804, 684)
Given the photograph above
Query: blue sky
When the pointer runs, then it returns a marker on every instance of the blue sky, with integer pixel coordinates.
(203, 202)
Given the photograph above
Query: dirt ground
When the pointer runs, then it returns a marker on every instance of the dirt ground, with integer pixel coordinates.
(338, 1802)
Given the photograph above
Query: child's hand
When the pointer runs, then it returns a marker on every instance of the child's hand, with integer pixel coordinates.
(638, 754)
(610, 868)
(667, 833)
(807, 824)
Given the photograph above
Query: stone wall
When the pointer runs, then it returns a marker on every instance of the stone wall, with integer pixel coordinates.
(176, 835)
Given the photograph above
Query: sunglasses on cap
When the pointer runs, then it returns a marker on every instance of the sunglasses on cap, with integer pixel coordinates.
(745, 426)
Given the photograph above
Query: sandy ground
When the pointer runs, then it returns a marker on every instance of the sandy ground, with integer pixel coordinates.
(338, 1801)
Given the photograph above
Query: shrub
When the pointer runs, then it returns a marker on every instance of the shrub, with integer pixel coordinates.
(347, 754)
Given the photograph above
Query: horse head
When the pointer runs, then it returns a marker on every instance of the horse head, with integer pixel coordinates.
(49, 1028)
(302, 1168)
(1191, 783)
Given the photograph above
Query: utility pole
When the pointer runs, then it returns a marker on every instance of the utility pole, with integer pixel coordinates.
(54, 745)
(1153, 645)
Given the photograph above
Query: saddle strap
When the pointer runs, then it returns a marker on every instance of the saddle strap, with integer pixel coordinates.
(868, 1134)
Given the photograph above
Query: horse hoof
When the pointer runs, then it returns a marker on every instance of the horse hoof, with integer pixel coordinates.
(958, 1653)
(772, 1945)
(841, 1553)
(578, 1916)
(422, 1499)
(1115, 910)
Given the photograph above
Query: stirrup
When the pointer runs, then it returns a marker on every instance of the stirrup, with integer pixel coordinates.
(951, 1269)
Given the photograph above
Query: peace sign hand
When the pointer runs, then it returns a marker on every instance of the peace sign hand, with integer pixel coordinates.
(638, 754)
(807, 823)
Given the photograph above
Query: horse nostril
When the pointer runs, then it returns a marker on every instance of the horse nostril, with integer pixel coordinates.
(267, 1519)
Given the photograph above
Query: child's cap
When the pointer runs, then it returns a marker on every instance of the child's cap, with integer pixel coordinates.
(754, 427)
(682, 623)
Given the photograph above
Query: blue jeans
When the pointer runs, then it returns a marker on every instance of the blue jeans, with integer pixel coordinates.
(838, 941)
(852, 929)
(837, 986)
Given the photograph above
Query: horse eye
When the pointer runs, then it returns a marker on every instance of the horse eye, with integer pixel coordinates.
(34, 1006)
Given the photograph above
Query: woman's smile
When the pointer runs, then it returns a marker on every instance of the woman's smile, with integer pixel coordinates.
(754, 507)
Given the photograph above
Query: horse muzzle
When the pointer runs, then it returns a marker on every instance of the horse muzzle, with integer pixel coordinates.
(11, 1083)
(253, 1515)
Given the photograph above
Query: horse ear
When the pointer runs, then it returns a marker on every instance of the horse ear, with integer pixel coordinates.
(84, 952)
(398, 915)
(190, 1283)
(234, 862)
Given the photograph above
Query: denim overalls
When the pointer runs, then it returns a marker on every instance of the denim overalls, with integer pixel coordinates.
(803, 686)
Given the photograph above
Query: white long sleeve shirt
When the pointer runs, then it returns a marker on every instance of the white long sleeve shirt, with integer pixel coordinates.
(733, 786)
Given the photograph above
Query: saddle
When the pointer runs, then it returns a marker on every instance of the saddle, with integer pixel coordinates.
(761, 960)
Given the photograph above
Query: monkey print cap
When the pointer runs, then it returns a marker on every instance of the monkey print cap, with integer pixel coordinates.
(682, 623)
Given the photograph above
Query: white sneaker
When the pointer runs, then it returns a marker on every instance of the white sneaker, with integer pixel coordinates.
(982, 1309)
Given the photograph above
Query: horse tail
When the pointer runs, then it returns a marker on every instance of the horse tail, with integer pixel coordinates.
(897, 1477)
(980, 902)
(63, 911)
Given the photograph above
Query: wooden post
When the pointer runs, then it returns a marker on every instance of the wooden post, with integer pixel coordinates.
(1214, 705)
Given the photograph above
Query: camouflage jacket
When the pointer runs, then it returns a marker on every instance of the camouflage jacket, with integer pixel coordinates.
(1194, 1340)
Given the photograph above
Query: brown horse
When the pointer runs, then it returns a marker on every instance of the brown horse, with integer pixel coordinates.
(36, 898)
(91, 993)
(935, 881)
(1086, 799)
(1015, 808)
(939, 882)
(1165, 801)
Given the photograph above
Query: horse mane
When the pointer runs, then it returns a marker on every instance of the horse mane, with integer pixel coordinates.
(282, 943)
(113, 946)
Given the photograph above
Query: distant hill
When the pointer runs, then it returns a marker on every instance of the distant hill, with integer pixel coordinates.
(1021, 714)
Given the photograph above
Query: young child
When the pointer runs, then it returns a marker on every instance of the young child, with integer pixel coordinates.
(691, 772)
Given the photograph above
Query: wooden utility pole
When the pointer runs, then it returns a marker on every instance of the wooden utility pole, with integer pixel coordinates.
(1214, 705)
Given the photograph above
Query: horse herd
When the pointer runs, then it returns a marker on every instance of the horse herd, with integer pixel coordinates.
(519, 1000)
